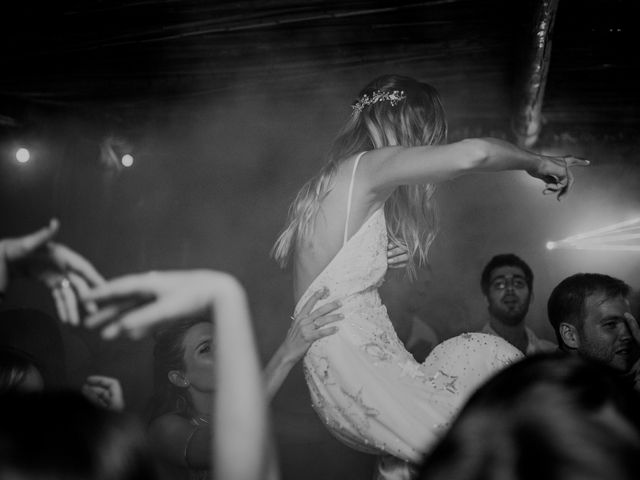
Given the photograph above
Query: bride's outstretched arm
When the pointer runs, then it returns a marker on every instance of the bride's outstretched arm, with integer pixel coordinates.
(392, 166)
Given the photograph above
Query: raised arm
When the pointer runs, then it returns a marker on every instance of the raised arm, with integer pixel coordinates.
(65, 272)
(241, 409)
(390, 167)
(241, 431)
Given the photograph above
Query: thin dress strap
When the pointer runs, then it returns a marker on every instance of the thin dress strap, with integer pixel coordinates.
(353, 177)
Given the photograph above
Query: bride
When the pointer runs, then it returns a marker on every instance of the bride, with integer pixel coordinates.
(378, 186)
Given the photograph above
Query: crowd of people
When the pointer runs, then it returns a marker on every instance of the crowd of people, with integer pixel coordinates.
(497, 403)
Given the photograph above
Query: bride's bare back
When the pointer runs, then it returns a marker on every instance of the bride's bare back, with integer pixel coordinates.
(327, 238)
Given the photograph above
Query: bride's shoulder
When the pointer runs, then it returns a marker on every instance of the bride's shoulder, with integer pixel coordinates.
(369, 162)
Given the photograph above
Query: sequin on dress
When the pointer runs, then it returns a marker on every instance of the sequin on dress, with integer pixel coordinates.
(367, 389)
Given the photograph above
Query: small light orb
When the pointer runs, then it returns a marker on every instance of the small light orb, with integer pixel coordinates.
(127, 160)
(551, 245)
(22, 155)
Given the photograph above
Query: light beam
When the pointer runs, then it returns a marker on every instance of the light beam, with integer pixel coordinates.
(621, 237)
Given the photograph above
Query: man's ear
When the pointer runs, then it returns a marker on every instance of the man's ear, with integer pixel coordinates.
(486, 299)
(177, 378)
(569, 335)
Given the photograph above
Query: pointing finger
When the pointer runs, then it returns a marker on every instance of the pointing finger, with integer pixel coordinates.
(29, 243)
(576, 161)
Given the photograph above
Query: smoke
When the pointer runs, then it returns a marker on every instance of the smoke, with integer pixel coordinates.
(488, 214)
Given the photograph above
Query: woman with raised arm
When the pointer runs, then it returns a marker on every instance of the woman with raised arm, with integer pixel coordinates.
(195, 374)
(378, 186)
(185, 386)
(134, 304)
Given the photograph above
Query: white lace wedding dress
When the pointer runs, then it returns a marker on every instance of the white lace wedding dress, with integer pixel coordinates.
(364, 385)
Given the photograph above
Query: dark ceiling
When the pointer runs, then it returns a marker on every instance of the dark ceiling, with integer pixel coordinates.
(116, 59)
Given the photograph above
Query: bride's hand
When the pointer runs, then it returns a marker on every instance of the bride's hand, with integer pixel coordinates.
(556, 174)
(397, 255)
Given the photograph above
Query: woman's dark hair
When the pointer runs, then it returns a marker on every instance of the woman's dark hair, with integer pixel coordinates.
(168, 354)
(62, 435)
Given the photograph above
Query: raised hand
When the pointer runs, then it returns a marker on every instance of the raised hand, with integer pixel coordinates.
(133, 304)
(104, 391)
(65, 272)
(556, 173)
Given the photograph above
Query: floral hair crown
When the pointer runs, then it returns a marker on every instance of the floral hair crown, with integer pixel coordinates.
(379, 96)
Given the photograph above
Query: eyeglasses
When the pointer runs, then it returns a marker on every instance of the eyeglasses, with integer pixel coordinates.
(503, 283)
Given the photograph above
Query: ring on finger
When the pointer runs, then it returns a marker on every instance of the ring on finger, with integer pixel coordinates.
(63, 283)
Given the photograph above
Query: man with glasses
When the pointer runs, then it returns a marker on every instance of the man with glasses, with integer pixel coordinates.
(507, 284)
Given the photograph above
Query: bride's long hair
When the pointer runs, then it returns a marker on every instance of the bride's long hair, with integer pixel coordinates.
(418, 119)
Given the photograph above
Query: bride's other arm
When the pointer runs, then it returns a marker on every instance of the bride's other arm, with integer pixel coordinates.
(390, 167)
